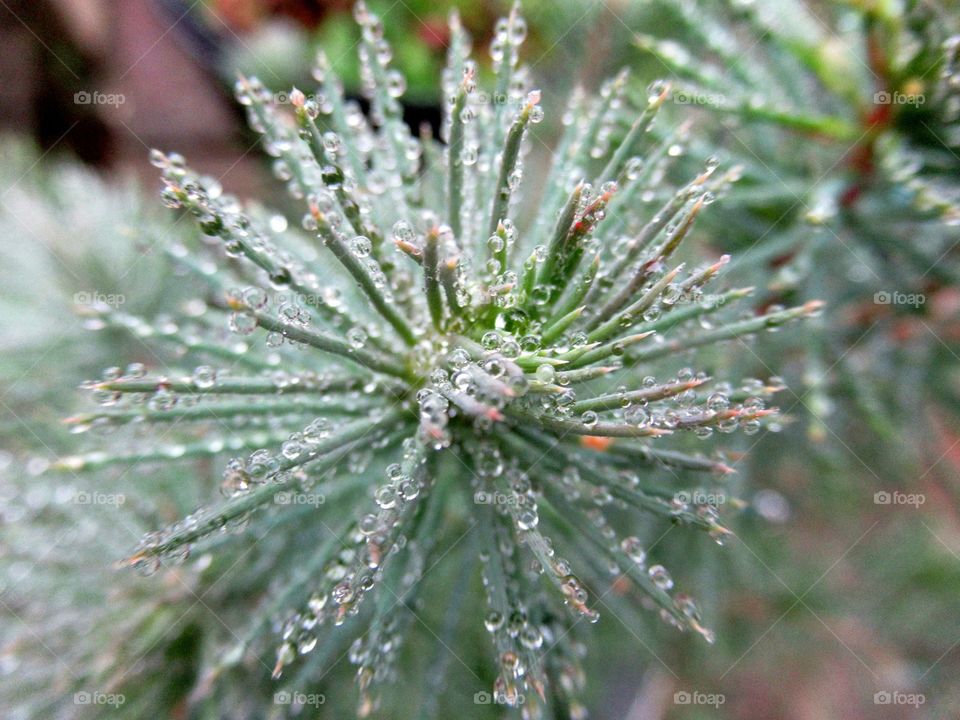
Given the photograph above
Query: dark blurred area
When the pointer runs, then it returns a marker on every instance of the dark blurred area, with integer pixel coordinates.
(108, 81)
(96, 79)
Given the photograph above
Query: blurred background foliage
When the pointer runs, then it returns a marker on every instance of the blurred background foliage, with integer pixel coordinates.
(825, 598)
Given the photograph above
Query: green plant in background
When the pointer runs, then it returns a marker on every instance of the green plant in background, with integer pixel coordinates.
(46, 273)
(56, 592)
(279, 51)
(844, 119)
(436, 381)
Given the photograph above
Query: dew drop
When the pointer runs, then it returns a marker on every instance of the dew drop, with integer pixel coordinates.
(317, 431)
(661, 578)
(242, 323)
(357, 337)
(493, 621)
(204, 377)
(632, 547)
(527, 519)
(546, 373)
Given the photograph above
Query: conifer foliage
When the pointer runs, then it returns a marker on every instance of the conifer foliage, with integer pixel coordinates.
(453, 358)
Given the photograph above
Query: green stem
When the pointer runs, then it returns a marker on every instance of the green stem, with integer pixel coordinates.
(431, 272)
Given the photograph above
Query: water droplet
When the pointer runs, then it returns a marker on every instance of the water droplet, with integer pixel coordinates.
(409, 490)
(527, 518)
(317, 431)
(357, 337)
(361, 246)
(262, 463)
(660, 576)
(518, 30)
(331, 142)
(546, 373)
(403, 232)
(292, 448)
(386, 497)
(655, 90)
(204, 377)
(135, 370)
(396, 83)
(342, 593)
(493, 621)
(490, 340)
(718, 402)
(634, 549)
(369, 524)
(242, 323)
(531, 638)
